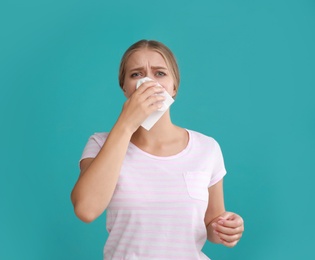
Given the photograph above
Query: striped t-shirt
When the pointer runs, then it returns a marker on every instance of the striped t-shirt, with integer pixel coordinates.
(158, 207)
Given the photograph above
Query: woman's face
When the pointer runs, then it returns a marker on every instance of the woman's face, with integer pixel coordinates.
(147, 63)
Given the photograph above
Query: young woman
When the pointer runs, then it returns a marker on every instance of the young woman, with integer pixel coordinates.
(163, 188)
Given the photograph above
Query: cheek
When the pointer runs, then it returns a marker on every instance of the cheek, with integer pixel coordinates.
(129, 88)
(169, 86)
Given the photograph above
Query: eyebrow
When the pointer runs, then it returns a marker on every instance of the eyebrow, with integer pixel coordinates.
(152, 67)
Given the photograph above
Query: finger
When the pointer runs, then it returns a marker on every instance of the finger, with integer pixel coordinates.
(231, 216)
(228, 237)
(229, 244)
(156, 106)
(231, 222)
(227, 215)
(154, 101)
(228, 240)
(144, 86)
(227, 230)
(142, 98)
(150, 91)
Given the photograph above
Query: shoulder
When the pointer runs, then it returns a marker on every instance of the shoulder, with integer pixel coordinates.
(202, 139)
(99, 137)
(94, 145)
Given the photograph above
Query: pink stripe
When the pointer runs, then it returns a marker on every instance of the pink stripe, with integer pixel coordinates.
(160, 255)
(164, 221)
(154, 207)
(144, 208)
(152, 229)
(164, 247)
(152, 240)
(121, 192)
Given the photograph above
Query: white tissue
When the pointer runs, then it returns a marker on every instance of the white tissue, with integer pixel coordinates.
(156, 115)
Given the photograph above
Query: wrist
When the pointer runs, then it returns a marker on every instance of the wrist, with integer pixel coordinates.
(211, 236)
(124, 128)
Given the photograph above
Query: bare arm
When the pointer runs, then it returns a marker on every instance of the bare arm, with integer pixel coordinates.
(222, 227)
(98, 178)
(215, 210)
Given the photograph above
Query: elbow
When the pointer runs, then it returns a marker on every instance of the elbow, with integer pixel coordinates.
(85, 209)
(85, 215)
(86, 218)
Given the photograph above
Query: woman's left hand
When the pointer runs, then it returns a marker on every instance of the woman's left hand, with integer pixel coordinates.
(229, 228)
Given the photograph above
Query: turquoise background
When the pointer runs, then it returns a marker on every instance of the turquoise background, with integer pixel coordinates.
(248, 80)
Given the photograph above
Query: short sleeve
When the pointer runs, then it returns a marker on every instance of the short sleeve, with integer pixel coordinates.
(219, 170)
(93, 145)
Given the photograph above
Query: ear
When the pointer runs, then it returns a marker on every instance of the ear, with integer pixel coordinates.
(124, 90)
(174, 92)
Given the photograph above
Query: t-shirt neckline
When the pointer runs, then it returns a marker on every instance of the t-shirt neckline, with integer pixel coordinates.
(179, 154)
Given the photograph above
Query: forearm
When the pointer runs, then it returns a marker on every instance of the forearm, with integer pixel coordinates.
(211, 236)
(94, 189)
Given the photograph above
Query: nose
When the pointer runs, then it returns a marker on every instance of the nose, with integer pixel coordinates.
(149, 74)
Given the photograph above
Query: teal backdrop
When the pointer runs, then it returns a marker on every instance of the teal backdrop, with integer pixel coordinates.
(247, 79)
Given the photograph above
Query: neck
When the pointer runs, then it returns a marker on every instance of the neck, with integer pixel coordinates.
(163, 139)
(162, 131)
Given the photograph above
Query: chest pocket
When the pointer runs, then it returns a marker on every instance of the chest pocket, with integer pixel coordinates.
(197, 184)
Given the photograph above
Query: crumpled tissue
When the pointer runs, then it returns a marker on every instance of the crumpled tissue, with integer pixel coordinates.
(156, 115)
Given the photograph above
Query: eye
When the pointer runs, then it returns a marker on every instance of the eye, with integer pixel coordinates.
(136, 74)
(160, 74)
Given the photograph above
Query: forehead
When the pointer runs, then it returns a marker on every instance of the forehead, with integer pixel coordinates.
(144, 57)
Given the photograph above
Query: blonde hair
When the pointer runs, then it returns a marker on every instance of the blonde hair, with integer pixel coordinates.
(155, 46)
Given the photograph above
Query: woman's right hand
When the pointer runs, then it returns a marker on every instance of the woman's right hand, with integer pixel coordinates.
(142, 102)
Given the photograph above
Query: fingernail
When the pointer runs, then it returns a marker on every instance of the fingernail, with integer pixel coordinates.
(220, 222)
(214, 225)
